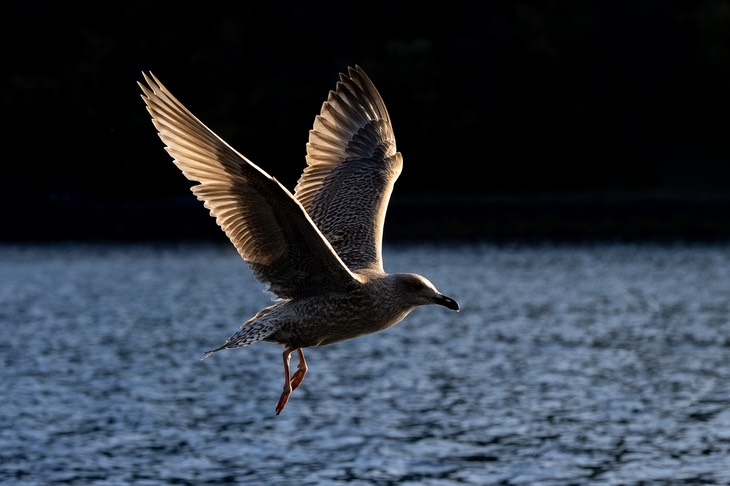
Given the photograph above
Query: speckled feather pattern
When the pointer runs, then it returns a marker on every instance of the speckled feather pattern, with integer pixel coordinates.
(319, 248)
(352, 165)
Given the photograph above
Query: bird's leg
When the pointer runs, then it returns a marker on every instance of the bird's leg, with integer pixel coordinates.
(290, 384)
(287, 382)
(298, 376)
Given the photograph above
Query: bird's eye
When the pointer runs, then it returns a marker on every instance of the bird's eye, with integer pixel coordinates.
(417, 286)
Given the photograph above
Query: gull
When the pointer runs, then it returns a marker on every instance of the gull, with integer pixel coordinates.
(319, 249)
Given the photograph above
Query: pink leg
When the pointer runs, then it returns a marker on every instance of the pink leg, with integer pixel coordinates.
(298, 376)
(290, 384)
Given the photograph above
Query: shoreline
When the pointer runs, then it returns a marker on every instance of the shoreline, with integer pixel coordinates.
(529, 218)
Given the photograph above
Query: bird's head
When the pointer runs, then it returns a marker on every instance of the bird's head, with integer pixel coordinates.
(419, 291)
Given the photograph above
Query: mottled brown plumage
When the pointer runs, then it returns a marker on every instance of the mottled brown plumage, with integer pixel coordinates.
(319, 249)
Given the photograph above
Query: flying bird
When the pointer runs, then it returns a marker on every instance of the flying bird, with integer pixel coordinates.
(317, 249)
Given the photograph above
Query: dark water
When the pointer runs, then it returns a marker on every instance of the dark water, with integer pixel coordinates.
(602, 364)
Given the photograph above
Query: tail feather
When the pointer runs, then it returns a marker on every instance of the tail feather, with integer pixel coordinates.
(208, 353)
(251, 332)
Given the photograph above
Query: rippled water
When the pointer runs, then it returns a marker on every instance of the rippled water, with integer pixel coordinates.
(594, 364)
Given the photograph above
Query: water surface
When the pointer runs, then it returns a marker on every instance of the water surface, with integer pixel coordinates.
(585, 364)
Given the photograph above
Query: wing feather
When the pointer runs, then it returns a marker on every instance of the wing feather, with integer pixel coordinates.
(267, 225)
(352, 165)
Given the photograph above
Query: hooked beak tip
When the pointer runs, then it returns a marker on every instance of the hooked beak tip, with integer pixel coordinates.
(448, 302)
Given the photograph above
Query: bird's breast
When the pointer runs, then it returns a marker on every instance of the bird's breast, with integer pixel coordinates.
(323, 320)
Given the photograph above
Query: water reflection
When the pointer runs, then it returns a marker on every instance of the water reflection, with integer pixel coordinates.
(602, 364)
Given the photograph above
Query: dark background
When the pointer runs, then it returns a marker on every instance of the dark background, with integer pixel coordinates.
(517, 120)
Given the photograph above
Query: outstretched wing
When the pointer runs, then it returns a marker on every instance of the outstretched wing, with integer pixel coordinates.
(352, 165)
(265, 223)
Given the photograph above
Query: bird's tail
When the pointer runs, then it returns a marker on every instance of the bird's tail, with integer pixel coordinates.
(251, 331)
(208, 353)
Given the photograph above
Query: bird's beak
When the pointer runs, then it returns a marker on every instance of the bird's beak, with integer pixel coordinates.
(446, 302)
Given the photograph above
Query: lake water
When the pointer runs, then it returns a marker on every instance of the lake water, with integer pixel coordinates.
(570, 364)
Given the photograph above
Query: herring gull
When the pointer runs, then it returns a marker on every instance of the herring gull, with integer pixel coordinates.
(318, 249)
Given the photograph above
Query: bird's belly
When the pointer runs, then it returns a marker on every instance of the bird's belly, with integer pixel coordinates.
(319, 325)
